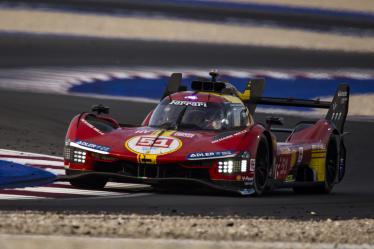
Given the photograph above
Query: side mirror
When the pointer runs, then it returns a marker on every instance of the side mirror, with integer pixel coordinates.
(273, 121)
(100, 109)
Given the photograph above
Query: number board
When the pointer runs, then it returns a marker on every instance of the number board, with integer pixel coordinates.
(153, 145)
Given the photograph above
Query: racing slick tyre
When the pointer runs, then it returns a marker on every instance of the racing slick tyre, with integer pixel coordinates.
(331, 171)
(87, 182)
(262, 168)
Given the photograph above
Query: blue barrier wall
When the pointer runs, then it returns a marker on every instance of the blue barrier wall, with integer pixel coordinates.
(153, 88)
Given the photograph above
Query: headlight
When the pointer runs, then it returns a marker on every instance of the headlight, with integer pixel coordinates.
(79, 156)
(243, 165)
(74, 154)
(232, 166)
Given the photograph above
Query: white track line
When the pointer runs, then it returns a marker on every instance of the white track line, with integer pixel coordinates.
(58, 241)
(33, 161)
(22, 153)
(55, 171)
(70, 191)
(43, 161)
(120, 185)
(18, 197)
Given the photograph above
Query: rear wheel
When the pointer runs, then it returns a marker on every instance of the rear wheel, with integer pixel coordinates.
(261, 175)
(331, 171)
(331, 167)
(89, 182)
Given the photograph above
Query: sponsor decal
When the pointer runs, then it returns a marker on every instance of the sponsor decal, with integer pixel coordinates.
(143, 131)
(341, 168)
(188, 103)
(317, 163)
(229, 136)
(183, 134)
(154, 145)
(336, 115)
(318, 147)
(246, 178)
(342, 94)
(282, 167)
(293, 158)
(93, 146)
(283, 150)
(252, 165)
(343, 100)
(147, 159)
(210, 155)
(92, 127)
(300, 155)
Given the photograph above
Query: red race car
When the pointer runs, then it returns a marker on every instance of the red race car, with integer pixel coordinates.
(206, 138)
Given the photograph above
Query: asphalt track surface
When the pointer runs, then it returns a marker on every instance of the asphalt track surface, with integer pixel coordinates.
(321, 20)
(22, 50)
(38, 123)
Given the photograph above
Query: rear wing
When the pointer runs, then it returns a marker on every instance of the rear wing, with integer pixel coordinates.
(337, 108)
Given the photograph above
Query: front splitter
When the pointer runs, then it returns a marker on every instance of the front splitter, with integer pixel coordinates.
(164, 182)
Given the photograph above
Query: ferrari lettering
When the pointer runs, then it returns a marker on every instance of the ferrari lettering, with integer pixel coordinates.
(188, 103)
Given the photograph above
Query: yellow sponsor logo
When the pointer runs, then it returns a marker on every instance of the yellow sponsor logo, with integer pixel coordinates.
(317, 163)
(293, 159)
(147, 159)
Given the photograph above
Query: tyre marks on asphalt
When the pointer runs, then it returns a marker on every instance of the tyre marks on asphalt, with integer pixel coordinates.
(58, 189)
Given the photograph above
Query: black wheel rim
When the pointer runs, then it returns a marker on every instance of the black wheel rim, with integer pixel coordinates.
(331, 163)
(261, 170)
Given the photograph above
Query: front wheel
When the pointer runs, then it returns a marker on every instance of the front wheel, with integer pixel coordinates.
(90, 182)
(262, 168)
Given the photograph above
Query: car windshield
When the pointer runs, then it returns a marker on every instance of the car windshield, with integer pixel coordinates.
(178, 114)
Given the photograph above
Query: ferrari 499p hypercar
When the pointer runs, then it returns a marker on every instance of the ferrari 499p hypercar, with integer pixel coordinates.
(206, 138)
